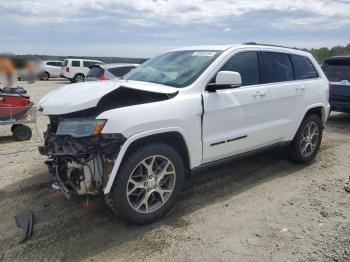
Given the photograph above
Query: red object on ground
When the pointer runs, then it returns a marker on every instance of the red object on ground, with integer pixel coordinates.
(13, 105)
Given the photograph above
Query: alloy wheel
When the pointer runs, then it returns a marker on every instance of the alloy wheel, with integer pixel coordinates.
(151, 184)
(309, 139)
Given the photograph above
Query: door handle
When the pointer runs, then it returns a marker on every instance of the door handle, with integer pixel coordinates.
(260, 94)
(300, 88)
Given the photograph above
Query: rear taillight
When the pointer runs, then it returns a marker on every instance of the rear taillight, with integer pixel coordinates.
(102, 77)
(67, 69)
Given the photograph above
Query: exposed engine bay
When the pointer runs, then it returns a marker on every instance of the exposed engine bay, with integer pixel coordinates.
(80, 164)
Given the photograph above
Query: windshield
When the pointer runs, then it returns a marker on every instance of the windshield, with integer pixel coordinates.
(176, 69)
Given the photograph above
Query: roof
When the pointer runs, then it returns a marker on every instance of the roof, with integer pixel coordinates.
(53, 61)
(338, 58)
(206, 47)
(251, 44)
(83, 59)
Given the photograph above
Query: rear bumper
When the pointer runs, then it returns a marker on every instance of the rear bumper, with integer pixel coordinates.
(339, 104)
(63, 76)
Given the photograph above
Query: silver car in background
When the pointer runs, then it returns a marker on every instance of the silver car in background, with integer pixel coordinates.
(109, 71)
(52, 69)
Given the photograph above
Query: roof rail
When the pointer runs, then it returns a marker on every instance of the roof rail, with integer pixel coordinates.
(254, 43)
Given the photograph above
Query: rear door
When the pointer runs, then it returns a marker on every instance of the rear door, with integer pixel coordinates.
(285, 105)
(235, 120)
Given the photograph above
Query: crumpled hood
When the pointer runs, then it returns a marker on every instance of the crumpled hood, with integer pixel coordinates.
(76, 97)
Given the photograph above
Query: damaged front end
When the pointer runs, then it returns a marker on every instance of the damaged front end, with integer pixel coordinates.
(80, 157)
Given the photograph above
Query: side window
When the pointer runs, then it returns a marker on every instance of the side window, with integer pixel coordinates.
(277, 68)
(88, 63)
(247, 64)
(303, 68)
(58, 64)
(75, 63)
(51, 63)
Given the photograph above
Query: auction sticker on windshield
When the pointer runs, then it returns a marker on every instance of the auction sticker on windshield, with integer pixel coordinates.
(203, 53)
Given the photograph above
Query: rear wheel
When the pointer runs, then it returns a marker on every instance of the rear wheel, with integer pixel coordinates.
(148, 183)
(79, 78)
(307, 141)
(22, 133)
(45, 76)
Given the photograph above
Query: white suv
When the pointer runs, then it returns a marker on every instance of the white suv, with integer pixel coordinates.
(76, 69)
(135, 140)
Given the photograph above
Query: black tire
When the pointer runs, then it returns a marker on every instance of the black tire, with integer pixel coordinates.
(45, 76)
(22, 133)
(78, 78)
(119, 198)
(295, 148)
(13, 127)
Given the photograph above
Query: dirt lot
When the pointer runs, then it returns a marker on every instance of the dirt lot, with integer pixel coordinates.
(262, 208)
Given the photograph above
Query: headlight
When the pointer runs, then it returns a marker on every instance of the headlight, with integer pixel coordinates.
(81, 128)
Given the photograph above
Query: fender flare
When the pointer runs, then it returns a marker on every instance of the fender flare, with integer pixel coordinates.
(125, 147)
(325, 111)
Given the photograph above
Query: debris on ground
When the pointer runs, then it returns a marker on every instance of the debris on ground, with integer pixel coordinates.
(24, 220)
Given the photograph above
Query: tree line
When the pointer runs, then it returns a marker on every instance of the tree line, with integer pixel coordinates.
(321, 54)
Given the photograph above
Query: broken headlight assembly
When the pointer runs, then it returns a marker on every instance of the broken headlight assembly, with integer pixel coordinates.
(81, 128)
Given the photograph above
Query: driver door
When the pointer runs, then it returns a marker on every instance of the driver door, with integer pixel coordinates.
(236, 120)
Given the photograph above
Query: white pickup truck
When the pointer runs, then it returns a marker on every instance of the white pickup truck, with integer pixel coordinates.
(135, 140)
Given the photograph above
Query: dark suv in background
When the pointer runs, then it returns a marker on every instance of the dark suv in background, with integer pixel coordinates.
(337, 70)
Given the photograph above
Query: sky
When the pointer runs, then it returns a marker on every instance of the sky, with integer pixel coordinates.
(144, 28)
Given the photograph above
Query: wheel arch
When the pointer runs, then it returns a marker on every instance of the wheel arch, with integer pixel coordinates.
(79, 73)
(45, 72)
(171, 136)
(318, 110)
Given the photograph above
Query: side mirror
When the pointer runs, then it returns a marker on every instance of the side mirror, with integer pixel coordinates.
(225, 80)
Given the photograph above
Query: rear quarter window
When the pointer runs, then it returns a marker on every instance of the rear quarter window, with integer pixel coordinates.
(303, 68)
(277, 67)
(54, 64)
(65, 62)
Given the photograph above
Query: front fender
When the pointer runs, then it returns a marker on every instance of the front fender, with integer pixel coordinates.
(132, 139)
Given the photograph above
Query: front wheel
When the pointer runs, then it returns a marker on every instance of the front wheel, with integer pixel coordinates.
(148, 183)
(307, 141)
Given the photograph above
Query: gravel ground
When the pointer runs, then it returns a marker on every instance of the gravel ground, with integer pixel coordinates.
(261, 208)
